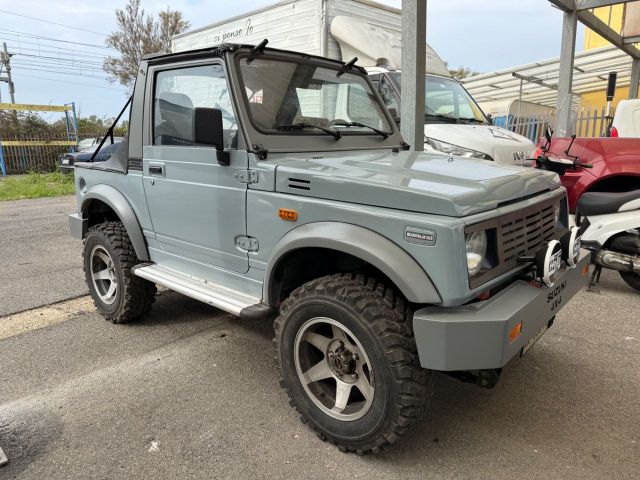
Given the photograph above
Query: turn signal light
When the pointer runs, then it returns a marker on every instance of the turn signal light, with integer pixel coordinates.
(515, 332)
(287, 214)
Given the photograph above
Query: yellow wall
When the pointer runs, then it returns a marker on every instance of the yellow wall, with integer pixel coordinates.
(612, 16)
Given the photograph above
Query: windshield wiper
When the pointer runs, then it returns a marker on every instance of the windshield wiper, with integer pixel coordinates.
(302, 126)
(472, 120)
(440, 116)
(382, 133)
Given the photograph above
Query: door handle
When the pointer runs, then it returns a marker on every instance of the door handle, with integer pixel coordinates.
(156, 170)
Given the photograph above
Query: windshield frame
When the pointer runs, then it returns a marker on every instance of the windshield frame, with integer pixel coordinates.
(394, 82)
(309, 139)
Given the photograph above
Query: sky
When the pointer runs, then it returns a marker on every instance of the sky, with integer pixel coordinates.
(485, 36)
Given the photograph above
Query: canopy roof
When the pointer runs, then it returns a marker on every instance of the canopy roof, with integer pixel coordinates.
(590, 73)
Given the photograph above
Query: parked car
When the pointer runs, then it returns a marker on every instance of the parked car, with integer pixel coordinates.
(68, 160)
(379, 264)
(616, 165)
(87, 143)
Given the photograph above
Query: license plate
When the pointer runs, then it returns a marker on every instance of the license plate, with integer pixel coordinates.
(65, 161)
(532, 341)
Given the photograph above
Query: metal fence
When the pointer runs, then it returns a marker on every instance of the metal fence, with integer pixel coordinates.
(32, 153)
(585, 123)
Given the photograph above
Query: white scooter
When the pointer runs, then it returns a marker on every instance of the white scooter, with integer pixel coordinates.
(609, 223)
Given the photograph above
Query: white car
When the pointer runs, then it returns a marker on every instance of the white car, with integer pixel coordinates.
(454, 124)
(626, 121)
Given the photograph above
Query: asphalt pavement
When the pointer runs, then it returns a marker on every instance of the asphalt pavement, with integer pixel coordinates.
(39, 262)
(191, 392)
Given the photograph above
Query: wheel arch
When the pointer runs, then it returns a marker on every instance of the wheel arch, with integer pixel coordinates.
(104, 195)
(355, 242)
(614, 183)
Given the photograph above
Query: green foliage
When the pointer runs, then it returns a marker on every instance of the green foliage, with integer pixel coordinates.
(461, 72)
(30, 124)
(36, 185)
(138, 35)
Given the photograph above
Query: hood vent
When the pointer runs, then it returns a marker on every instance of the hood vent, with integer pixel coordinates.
(299, 184)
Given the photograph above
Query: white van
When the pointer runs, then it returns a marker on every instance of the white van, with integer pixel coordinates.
(626, 121)
(343, 29)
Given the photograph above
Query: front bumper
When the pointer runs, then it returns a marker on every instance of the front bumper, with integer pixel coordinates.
(475, 336)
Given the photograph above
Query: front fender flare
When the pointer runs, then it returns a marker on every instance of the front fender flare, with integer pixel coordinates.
(120, 205)
(386, 256)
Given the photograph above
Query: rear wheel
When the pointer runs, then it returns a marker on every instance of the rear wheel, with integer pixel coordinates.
(632, 279)
(117, 293)
(348, 361)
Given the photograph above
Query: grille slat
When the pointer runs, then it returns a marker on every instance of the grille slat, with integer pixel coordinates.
(524, 235)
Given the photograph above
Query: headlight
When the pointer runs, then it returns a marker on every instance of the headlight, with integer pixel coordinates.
(455, 150)
(476, 244)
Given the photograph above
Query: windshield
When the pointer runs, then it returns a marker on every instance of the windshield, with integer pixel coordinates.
(446, 100)
(290, 97)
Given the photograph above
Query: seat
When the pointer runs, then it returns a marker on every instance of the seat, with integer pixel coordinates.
(601, 203)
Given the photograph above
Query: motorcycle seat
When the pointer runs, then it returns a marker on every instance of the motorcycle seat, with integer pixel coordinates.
(601, 203)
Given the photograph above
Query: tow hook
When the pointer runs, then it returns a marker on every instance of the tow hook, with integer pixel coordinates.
(483, 378)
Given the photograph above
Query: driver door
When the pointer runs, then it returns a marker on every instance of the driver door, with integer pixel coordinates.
(197, 206)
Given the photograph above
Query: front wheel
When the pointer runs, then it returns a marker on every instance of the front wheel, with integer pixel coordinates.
(348, 361)
(632, 279)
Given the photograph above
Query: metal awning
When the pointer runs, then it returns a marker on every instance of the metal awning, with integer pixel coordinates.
(590, 72)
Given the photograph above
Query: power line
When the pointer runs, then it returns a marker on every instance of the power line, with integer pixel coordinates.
(77, 61)
(55, 23)
(15, 33)
(42, 48)
(71, 83)
(60, 72)
(80, 72)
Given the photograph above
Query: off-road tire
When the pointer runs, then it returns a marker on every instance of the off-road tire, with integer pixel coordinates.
(134, 295)
(382, 322)
(632, 279)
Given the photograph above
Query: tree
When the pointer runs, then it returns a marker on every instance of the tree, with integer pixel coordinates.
(460, 72)
(138, 35)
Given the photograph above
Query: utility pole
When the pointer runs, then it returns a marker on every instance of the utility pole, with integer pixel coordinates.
(5, 59)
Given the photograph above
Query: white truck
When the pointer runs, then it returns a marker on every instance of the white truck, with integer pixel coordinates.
(343, 29)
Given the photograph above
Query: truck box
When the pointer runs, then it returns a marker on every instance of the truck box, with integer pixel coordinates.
(305, 26)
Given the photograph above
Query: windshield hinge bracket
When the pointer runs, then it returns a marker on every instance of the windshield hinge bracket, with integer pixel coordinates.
(260, 151)
(246, 243)
(247, 176)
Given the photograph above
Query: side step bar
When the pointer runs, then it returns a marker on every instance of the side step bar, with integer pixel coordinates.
(224, 298)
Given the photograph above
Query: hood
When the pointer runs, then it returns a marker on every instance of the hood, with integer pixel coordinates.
(502, 145)
(412, 181)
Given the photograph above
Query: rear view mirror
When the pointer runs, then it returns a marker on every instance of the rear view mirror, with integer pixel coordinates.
(208, 130)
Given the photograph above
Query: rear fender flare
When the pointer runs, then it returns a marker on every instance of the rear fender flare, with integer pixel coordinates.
(123, 210)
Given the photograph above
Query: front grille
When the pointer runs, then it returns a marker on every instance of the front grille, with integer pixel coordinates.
(518, 233)
(525, 233)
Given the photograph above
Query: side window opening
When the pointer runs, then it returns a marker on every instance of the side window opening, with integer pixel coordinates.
(178, 92)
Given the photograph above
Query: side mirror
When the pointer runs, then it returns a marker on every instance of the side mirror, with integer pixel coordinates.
(208, 130)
